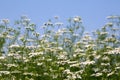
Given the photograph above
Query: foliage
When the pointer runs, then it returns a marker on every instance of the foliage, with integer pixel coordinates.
(61, 52)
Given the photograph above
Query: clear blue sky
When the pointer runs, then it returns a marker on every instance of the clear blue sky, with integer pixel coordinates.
(93, 12)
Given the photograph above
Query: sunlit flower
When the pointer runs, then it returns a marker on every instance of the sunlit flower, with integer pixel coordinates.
(104, 33)
(110, 74)
(35, 54)
(58, 24)
(14, 46)
(79, 50)
(106, 58)
(75, 65)
(97, 74)
(105, 64)
(77, 19)
(109, 24)
(87, 62)
(112, 17)
(11, 65)
(6, 21)
(15, 72)
(2, 57)
(39, 64)
(4, 72)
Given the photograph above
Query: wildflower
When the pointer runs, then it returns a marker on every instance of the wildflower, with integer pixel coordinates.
(77, 19)
(27, 20)
(115, 51)
(109, 24)
(15, 72)
(97, 74)
(4, 72)
(110, 74)
(31, 47)
(58, 24)
(9, 37)
(67, 71)
(46, 74)
(105, 70)
(35, 54)
(62, 56)
(117, 68)
(6, 21)
(96, 69)
(2, 57)
(39, 64)
(56, 17)
(59, 48)
(105, 64)
(11, 65)
(106, 58)
(75, 65)
(31, 74)
(79, 50)
(14, 46)
(115, 29)
(88, 62)
(76, 35)
(112, 17)
(103, 33)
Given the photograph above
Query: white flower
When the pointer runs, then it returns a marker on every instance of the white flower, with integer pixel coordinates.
(77, 19)
(106, 58)
(6, 21)
(72, 62)
(109, 24)
(58, 24)
(75, 65)
(62, 56)
(4, 72)
(11, 65)
(78, 50)
(110, 74)
(31, 47)
(105, 70)
(14, 46)
(60, 48)
(26, 20)
(112, 17)
(39, 64)
(31, 74)
(2, 57)
(16, 72)
(96, 69)
(117, 68)
(115, 51)
(103, 33)
(76, 35)
(87, 62)
(56, 17)
(105, 64)
(97, 74)
(67, 71)
(9, 37)
(35, 54)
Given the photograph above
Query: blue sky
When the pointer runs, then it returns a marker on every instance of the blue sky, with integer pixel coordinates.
(92, 12)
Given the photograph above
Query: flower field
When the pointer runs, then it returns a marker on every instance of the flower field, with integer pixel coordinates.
(58, 51)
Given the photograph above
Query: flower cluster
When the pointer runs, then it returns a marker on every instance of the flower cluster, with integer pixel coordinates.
(59, 52)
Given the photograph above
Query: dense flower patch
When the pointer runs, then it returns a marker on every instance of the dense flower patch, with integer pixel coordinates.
(59, 52)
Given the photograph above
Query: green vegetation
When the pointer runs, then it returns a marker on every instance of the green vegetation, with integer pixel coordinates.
(59, 52)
